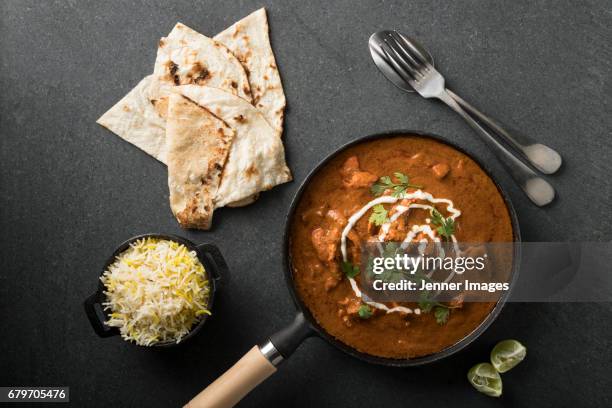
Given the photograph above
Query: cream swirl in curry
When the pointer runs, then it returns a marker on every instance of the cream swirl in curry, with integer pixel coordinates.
(416, 233)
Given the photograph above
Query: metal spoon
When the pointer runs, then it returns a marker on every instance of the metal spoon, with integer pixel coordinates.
(410, 67)
(542, 157)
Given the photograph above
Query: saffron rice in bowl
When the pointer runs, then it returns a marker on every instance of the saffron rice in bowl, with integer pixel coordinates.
(156, 291)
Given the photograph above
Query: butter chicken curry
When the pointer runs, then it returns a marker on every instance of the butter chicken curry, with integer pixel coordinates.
(409, 176)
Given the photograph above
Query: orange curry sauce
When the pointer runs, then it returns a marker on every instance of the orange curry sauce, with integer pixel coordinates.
(340, 189)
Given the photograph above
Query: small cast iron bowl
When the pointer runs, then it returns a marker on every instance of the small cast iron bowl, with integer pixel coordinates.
(208, 254)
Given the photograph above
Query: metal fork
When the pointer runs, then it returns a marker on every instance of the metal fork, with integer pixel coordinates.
(420, 74)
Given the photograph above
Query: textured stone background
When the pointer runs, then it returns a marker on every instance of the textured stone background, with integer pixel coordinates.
(71, 191)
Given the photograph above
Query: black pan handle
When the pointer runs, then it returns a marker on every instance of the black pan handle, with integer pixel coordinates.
(220, 268)
(95, 314)
(287, 339)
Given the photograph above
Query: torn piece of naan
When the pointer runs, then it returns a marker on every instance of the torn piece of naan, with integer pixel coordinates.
(249, 41)
(256, 160)
(135, 119)
(198, 147)
(188, 57)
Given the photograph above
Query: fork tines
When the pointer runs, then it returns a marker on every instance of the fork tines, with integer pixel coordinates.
(407, 61)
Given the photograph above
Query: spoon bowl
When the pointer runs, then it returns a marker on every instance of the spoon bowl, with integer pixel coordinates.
(409, 66)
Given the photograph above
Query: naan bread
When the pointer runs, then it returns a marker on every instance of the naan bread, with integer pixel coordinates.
(188, 57)
(135, 119)
(198, 145)
(249, 41)
(257, 158)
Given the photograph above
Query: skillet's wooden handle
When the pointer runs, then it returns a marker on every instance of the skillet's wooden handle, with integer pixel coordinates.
(236, 382)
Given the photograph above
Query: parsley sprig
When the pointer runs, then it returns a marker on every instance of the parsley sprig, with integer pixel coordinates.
(379, 215)
(440, 310)
(446, 226)
(386, 183)
(441, 314)
(349, 269)
(365, 312)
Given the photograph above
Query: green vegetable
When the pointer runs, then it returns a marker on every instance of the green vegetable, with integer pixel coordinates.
(426, 304)
(446, 226)
(350, 270)
(379, 215)
(365, 312)
(385, 183)
(507, 354)
(441, 311)
(441, 314)
(485, 379)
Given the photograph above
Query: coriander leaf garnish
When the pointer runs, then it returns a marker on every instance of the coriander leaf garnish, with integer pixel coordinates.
(365, 312)
(446, 226)
(425, 304)
(381, 185)
(441, 314)
(402, 177)
(379, 215)
(385, 183)
(441, 311)
(349, 269)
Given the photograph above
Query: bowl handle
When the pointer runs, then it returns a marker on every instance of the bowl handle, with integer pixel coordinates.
(95, 314)
(220, 268)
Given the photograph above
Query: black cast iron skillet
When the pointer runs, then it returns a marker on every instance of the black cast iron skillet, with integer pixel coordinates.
(208, 254)
(261, 361)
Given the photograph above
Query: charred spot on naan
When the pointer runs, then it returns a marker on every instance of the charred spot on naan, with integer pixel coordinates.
(161, 106)
(198, 74)
(251, 171)
(172, 72)
(244, 57)
(240, 118)
(237, 30)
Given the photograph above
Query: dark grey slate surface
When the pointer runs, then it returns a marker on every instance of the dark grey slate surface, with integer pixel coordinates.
(71, 190)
